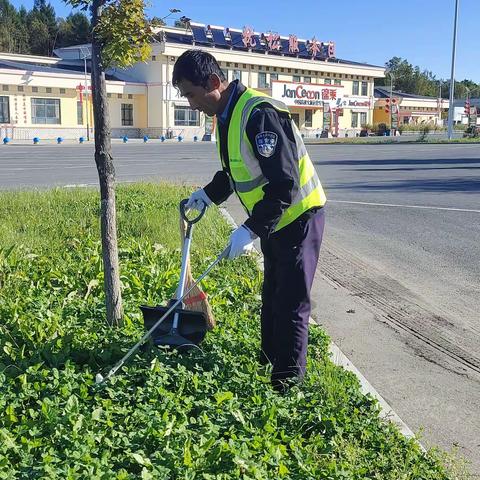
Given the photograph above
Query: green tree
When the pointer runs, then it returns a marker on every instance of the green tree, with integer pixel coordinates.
(42, 27)
(121, 36)
(39, 36)
(13, 34)
(75, 30)
(409, 79)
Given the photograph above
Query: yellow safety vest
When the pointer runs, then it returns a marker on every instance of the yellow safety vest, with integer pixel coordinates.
(246, 175)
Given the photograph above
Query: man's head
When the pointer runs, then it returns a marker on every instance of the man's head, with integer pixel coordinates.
(201, 81)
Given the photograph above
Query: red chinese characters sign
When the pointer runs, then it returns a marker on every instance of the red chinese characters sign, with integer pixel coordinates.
(273, 41)
(329, 94)
(80, 89)
(313, 47)
(293, 44)
(247, 37)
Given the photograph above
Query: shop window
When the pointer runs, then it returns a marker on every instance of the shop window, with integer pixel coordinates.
(364, 89)
(237, 75)
(297, 78)
(262, 80)
(186, 117)
(354, 119)
(363, 118)
(307, 79)
(273, 76)
(308, 118)
(79, 113)
(46, 111)
(355, 87)
(327, 81)
(4, 110)
(337, 81)
(127, 114)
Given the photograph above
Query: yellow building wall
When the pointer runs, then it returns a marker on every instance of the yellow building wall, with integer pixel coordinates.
(380, 116)
(21, 106)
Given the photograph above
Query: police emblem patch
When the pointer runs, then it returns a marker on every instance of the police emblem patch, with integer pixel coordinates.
(266, 143)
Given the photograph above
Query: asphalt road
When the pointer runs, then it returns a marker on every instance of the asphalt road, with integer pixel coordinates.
(401, 246)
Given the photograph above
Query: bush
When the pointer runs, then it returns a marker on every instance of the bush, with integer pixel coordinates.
(424, 131)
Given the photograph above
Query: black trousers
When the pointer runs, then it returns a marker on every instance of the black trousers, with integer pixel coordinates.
(290, 260)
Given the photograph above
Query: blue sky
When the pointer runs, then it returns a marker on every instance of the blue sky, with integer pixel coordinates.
(371, 31)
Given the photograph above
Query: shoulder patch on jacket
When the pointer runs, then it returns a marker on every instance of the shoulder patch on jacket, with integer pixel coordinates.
(266, 143)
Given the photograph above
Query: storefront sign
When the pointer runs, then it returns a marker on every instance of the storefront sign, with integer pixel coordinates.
(394, 116)
(304, 95)
(472, 118)
(354, 103)
(327, 117)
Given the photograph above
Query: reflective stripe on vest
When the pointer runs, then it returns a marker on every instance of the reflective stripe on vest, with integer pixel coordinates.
(246, 173)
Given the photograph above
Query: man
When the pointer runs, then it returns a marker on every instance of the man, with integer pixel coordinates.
(265, 162)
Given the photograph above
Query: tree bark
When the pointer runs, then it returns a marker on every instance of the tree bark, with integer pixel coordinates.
(106, 175)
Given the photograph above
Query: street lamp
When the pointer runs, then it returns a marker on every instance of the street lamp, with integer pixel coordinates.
(172, 11)
(452, 76)
(85, 53)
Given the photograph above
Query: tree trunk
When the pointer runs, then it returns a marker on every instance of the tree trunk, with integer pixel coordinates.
(106, 174)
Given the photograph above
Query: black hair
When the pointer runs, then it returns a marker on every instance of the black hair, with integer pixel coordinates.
(196, 66)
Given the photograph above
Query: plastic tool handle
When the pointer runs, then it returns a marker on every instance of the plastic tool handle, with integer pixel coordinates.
(183, 213)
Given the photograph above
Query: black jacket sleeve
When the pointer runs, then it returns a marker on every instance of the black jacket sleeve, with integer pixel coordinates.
(219, 189)
(280, 167)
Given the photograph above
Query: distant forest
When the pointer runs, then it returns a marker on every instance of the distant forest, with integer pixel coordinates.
(39, 31)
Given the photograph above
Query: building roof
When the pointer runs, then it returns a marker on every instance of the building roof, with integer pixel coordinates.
(197, 34)
(384, 92)
(58, 67)
(460, 102)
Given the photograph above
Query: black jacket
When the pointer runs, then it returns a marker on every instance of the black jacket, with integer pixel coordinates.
(280, 168)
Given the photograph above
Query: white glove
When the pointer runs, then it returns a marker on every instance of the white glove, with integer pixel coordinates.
(241, 242)
(197, 199)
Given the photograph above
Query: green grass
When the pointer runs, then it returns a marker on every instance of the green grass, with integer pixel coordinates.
(204, 415)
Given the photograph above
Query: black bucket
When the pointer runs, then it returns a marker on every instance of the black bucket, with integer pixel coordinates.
(192, 326)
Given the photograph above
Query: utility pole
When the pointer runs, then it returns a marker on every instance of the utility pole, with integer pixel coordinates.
(391, 97)
(452, 76)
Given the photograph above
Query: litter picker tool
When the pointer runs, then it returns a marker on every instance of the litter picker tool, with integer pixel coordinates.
(184, 329)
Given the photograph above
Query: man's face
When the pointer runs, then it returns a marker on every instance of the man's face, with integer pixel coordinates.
(205, 99)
